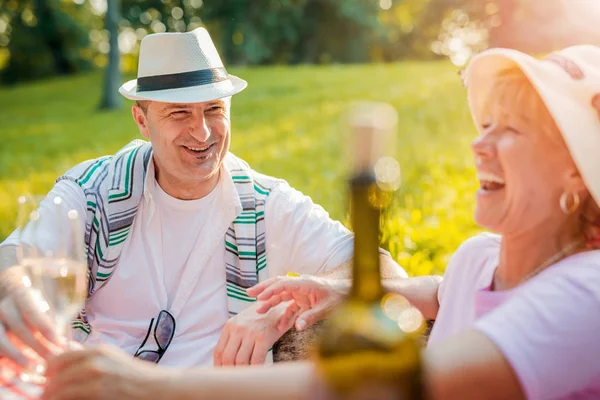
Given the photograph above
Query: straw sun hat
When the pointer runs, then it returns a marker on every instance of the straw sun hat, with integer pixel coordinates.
(568, 83)
(181, 68)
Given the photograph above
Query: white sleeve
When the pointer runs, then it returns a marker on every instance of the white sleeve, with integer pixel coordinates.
(470, 252)
(300, 236)
(73, 199)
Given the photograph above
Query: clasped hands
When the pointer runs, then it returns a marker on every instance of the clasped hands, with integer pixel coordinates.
(282, 303)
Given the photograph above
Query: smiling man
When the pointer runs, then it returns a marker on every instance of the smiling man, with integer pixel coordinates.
(177, 227)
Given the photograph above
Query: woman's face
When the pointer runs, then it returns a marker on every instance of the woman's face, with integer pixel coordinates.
(522, 163)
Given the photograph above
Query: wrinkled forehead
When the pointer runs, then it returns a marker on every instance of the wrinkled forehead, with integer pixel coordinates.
(515, 102)
(513, 98)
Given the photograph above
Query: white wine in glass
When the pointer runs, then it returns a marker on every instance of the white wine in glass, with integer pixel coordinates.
(53, 254)
(62, 284)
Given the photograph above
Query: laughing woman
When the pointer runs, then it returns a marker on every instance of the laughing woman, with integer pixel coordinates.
(518, 312)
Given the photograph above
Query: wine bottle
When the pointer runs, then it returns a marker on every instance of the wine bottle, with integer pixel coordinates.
(362, 353)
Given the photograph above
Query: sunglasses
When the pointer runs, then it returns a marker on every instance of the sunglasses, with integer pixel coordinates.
(163, 334)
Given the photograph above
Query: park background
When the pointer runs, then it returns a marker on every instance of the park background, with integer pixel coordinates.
(306, 61)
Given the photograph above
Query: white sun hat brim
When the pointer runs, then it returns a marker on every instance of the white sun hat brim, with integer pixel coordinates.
(568, 91)
(191, 94)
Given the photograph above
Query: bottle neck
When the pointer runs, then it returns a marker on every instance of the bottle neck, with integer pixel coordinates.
(365, 219)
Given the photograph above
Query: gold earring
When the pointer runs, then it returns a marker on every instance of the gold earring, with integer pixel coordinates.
(563, 203)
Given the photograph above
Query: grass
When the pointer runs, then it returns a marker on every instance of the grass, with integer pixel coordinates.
(286, 123)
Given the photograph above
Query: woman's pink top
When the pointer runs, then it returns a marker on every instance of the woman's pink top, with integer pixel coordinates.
(548, 328)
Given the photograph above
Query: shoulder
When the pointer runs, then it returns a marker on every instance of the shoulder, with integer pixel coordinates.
(241, 172)
(89, 169)
(472, 264)
(481, 241)
(79, 172)
(280, 197)
(268, 183)
(569, 288)
(286, 199)
(579, 273)
(478, 248)
(587, 260)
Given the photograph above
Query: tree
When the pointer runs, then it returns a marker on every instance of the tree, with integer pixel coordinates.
(47, 38)
(112, 78)
(294, 31)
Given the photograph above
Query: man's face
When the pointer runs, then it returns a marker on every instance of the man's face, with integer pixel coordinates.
(189, 141)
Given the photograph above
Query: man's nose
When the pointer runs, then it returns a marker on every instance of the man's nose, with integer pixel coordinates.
(200, 130)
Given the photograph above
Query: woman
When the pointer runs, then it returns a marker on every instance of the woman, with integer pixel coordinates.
(518, 313)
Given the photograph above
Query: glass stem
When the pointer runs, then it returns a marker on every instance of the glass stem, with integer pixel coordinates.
(64, 331)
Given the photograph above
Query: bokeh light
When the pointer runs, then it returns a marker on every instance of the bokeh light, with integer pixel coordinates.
(399, 309)
(385, 4)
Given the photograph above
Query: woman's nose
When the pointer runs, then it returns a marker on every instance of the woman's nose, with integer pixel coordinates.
(484, 144)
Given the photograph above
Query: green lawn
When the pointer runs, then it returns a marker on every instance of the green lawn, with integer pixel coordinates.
(286, 123)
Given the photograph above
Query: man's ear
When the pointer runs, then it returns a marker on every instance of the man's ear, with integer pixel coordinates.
(141, 120)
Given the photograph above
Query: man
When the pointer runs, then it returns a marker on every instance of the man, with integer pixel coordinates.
(177, 228)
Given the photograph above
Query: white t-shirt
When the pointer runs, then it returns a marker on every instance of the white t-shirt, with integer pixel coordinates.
(548, 328)
(174, 260)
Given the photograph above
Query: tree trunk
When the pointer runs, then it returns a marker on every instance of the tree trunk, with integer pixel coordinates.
(112, 79)
(46, 14)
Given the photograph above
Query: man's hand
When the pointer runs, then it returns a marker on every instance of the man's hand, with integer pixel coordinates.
(104, 372)
(23, 325)
(313, 298)
(247, 337)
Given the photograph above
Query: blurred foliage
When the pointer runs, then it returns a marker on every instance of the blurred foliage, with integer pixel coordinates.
(47, 38)
(268, 31)
(286, 123)
(247, 32)
(295, 31)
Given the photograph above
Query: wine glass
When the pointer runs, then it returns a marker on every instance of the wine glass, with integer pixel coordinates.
(51, 249)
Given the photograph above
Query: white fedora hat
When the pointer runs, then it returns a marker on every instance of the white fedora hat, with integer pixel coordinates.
(181, 68)
(568, 83)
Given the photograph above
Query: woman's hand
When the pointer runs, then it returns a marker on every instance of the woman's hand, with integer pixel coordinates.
(104, 372)
(313, 297)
